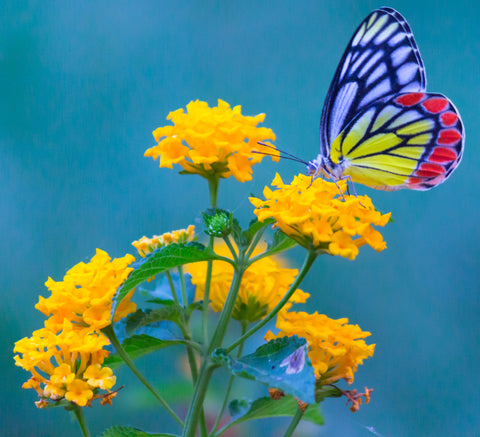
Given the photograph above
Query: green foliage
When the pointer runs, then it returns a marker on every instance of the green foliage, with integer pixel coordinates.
(140, 318)
(128, 431)
(261, 408)
(161, 260)
(282, 363)
(140, 345)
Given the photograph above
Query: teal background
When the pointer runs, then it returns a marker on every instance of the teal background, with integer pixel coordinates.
(82, 86)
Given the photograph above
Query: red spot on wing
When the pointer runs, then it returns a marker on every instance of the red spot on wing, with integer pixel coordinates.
(449, 118)
(443, 154)
(435, 104)
(410, 99)
(434, 169)
(449, 136)
(414, 181)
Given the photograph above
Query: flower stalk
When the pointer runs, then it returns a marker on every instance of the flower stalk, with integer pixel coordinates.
(110, 333)
(309, 260)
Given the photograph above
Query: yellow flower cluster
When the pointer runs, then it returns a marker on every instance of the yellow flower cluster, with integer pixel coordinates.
(336, 349)
(213, 142)
(316, 217)
(263, 285)
(148, 245)
(66, 356)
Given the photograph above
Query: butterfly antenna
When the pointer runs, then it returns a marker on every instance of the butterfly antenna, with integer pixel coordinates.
(286, 155)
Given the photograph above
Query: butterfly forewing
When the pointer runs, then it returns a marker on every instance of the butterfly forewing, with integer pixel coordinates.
(381, 60)
(412, 140)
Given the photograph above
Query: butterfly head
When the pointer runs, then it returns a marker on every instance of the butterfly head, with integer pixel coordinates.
(324, 165)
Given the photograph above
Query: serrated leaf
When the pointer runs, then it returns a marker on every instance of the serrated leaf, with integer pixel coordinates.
(280, 242)
(141, 318)
(159, 261)
(140, 345)
(129, 431)
(244, 238)
(254, 226)
(161, 290)
(282, 363)
(261, 408)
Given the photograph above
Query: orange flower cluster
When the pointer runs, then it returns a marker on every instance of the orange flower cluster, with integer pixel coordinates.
(213, 142)
(66, 356)
(313, 214)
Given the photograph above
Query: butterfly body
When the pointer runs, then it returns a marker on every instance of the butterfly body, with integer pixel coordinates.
(379, 126)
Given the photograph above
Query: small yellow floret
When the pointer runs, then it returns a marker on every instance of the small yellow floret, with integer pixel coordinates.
(147, 245)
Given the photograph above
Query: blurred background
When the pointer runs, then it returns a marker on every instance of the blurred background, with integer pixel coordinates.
(83, 85)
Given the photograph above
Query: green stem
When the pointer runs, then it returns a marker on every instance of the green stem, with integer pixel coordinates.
(206, 296)
(310, 258)
(207, 368)
(78, 411)
(295, 421)
(183, 286)
(255, 242)
(231, 248)
(230, 384)
(172, 287)
(213, 190)
(110, 333)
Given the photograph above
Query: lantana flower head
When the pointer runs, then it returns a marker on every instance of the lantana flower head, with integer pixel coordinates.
(85, 296)
(263, 285)
(147, 245)
(66, 364)
(317, 217)
(213, 142)
(336, 348)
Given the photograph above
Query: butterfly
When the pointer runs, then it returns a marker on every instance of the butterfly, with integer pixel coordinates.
(379, 126)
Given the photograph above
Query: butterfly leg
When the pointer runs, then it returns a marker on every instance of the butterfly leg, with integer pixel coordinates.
(348, 178)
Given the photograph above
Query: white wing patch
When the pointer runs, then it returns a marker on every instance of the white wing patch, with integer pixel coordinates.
(381, 60)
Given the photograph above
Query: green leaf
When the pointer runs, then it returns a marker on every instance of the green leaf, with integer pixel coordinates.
(142, 318)
(140, 345)
(244, 238)
(128, 431)
(163, 259)
(261, 408)
(282, 363)
(280, 242)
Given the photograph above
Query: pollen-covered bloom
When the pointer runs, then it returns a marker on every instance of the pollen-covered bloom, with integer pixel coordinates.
(147, 245)
(213, 142)
(336, 348)
(66, 364)
(263, 285)
(317, 217)
(85, 296)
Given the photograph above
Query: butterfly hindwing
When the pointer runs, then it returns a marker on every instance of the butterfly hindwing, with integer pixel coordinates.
(382, 59)
(412, 140)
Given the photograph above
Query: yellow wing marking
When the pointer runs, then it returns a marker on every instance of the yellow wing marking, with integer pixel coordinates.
(420, 139)
(357, 132)
(417, 127)
(375, 144)
(409, 152)
(359, 35)
(372, 31)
